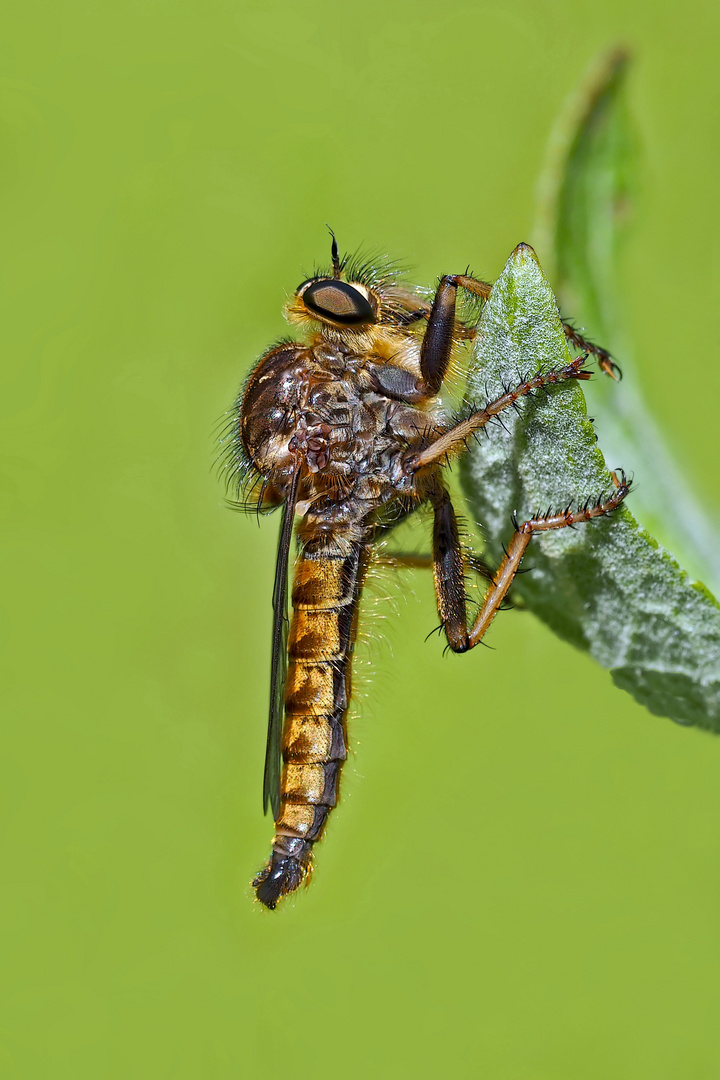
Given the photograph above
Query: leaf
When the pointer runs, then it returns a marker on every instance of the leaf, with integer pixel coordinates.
(586, 192)
(607, 587)
(585, 198)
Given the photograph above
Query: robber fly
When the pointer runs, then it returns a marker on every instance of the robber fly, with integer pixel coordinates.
(344, 431)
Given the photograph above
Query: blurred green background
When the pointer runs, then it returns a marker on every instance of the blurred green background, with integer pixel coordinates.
(523, 878)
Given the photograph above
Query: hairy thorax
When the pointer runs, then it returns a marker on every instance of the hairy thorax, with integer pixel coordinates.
(349, 418)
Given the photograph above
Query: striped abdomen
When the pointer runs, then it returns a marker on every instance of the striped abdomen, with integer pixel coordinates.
(325, 595)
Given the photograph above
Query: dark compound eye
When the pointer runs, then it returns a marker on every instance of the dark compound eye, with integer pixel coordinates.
(338, 301)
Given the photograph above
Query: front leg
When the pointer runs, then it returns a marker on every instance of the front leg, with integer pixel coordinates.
(603, 357)
(438, 339)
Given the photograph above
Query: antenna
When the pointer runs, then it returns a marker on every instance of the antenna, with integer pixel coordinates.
(337, 269)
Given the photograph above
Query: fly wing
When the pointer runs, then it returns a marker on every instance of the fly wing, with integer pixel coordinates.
(273, 760)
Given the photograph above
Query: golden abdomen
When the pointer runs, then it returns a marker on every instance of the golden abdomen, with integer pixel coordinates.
(325, 595)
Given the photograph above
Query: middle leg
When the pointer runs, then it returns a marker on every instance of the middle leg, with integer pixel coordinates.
(455, 440)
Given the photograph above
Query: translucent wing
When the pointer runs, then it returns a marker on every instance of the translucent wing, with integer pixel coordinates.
(273, 761)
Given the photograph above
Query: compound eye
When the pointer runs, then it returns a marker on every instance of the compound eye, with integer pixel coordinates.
(338, 301)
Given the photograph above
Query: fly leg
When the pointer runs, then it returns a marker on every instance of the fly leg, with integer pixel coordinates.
(449, 571)
(449, 563)
(603, 357)
(438, 339)
(449, 580)
(455, 440)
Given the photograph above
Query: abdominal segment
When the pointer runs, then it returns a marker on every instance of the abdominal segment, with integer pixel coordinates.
(326, 590)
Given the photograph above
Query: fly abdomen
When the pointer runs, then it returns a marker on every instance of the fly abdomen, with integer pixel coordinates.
(325, 597)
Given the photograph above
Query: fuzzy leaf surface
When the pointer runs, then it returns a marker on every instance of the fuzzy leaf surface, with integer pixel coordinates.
(607, 586)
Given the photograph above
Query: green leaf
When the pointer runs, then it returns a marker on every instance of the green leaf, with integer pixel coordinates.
(585, 199)
(586, 193)
(607, 586)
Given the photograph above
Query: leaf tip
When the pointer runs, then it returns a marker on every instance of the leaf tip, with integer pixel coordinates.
(614, 61)
(524, 251)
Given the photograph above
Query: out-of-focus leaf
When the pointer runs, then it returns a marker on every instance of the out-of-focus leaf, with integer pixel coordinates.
(586, 193)
(584, 202)
(606, 586)
(585, 198)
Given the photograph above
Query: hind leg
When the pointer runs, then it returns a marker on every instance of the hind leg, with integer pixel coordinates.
(449, 577)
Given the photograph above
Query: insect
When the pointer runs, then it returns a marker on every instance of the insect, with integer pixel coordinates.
(344, 430)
